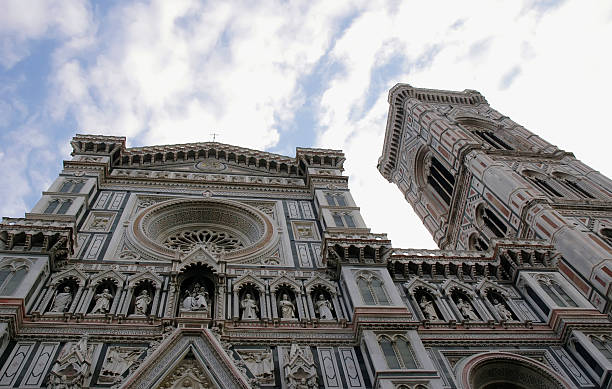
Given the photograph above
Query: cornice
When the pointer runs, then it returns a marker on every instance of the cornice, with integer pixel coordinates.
(398, 95)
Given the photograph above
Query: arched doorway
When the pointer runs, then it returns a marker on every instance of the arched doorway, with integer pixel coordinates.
(502, 370)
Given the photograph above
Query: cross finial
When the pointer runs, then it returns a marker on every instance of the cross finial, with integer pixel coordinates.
(214, 136)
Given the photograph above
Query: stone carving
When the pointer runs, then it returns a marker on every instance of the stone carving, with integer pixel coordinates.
(502, 311)
(260, 363)
(299, 368)
(249, 308)
(466, 310)
(103, 301)
(187, 375)
(214, 241)
(72, 366)
(286, 307)
(142, 302)
(196, 299)
(100, 223)
(428, 309)
(324, 308)
(62, 301)
(118, 360)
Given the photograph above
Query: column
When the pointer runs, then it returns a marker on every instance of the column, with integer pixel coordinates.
(75, 300)
(273, 305)
(42, 304)
(310, 304)
(337, 308)
(85, 302)
(262, 305)
(300, 307)
(127, 301)
(156, 297)
(236, 310)
(116, 299)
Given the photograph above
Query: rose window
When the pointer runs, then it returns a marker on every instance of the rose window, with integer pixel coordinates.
(237, 230)
(215, 241)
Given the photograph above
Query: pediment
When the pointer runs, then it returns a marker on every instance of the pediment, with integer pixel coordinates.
(194, 358)
(449, 285)
(70, 273)
(416, 283)
(145, 275)
(485, 285)
(109, 274)
(200, 255)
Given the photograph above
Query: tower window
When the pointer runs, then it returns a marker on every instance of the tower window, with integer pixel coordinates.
(57, 206)
(556, 292)
(441, 180)
(397, 352)
(72, 186)
(491, 139)
(372, 290)
(343, 220)
(335, 199)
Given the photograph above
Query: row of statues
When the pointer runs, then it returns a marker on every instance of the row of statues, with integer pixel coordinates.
(103, 300)
(196, 299)
(465, 308)
(250, 310)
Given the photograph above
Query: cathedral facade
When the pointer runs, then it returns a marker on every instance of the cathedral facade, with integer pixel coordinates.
(206, 265)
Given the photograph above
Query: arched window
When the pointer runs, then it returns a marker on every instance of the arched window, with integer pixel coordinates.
(72, 186)
(64, 207)
(397, 352)
(372, 290)
(441, 180)
(343, 219)
(491, 224)
(11, 277)
(489, 137)
(604, 345)
(476, 242)
(335, 199)
(573, 185)
(556, 292)
(52, 206)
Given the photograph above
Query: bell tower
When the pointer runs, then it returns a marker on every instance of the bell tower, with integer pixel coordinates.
(474, 175)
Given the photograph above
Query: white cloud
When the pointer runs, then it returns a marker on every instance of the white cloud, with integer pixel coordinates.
(22, 21)
(174, 71)
(523, 57)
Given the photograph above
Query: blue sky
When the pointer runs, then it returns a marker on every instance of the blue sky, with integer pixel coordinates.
(276, 75)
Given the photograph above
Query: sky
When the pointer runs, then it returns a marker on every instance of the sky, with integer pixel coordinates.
(276, 75)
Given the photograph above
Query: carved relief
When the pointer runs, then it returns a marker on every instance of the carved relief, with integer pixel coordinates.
(260, 363)
(118, 361)
(72, 366)
(299, 369)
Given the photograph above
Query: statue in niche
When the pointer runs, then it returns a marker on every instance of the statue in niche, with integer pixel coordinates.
(142, 302)
(502, 311)
(428, 309)
(324, 308)
(196, 299)
(62, 300)
(103, 301)
(249, 308)
(466, 310)
(287, 308)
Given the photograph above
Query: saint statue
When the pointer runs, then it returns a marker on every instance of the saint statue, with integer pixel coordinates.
(102, 302)
(502, 311)
(249, 308)
(62, 300)
(324, 308)
(428, 309)
(466, 310)
(287, 308)
(197, 299)
(142, 302)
